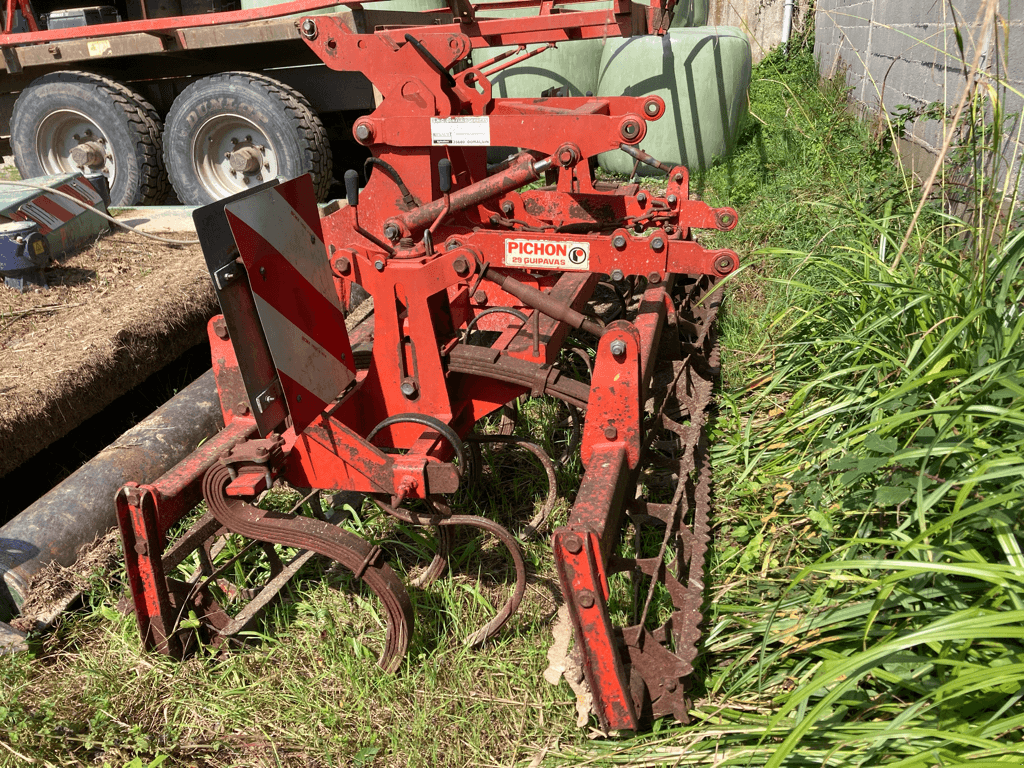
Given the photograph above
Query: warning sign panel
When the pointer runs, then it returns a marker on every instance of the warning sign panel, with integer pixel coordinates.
(460, 131)
(546, 254)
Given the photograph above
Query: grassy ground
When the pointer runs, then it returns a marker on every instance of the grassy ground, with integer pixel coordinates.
(866, 582)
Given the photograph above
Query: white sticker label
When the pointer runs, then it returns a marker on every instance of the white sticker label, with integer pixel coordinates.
(547, 254)
(98, 47)
(460, 131)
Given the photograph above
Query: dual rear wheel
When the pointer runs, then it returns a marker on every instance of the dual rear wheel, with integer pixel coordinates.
(223, 134)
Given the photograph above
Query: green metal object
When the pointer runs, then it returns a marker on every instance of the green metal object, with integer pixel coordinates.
(702, 73)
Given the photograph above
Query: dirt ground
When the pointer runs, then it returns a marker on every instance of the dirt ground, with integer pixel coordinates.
(117, 311)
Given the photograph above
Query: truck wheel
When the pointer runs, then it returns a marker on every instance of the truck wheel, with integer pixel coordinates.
(76, 121)
(234, 130)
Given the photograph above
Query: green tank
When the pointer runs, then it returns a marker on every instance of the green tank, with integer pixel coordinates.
(703, 75)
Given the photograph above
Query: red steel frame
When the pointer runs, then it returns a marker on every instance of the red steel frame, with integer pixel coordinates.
(434, 261)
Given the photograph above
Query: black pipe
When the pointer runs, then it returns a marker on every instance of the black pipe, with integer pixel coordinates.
(82, 507)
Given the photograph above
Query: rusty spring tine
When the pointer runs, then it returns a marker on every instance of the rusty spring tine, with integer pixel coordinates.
(352, 552)
(502, 534)
(439, 564)
(540, 520)
(492, 627)
(574, 420)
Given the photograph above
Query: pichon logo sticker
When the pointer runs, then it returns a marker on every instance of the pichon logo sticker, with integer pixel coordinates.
(546, 254)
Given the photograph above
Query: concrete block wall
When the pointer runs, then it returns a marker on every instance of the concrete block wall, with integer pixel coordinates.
(905, 53)
(761, 20)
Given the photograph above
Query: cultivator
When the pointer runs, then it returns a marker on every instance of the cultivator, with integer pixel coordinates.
(480, 276)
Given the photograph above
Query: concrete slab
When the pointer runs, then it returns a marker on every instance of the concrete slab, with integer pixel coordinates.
(157, 219)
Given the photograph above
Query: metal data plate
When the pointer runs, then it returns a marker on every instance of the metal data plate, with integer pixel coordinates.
(280, 241)
(239, 307)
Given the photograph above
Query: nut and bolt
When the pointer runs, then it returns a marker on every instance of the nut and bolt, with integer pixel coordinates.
(391, 232)
(654, 278)
(617, 275)
(573, 544)
(618, 242)
(378, 265)
(363, 132)
(610, 433)
(508, 208)
(480, 297)
(408, 386)
(672, 199)
(678, 177)
(309, 29)
(241, 408)
(642, 198)
(342, 265)
(617, 347)
(585, 598)
(461, 266)
(657, 243)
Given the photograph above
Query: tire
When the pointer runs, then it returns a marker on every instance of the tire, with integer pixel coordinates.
(77, 121)
(230, 131)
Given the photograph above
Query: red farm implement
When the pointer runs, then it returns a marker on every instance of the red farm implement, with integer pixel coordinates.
(452, 252)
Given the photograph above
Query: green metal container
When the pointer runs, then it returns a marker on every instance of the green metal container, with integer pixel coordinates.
(702, 74)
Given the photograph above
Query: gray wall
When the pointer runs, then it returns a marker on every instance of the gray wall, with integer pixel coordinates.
(905, 52)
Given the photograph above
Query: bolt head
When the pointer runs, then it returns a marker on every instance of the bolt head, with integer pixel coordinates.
(585, 598)
(408, 387)
(654, 278)
(642, 198)
(573, 544)
(657, 243)
(508, 208)
(670, 684)
(241, 408)
(461, 266)
(342, 265)
(363, 132)
(391, 232)
(672, 199)
(617, 347)
(378, 265)
(480, 297)
(220, 328)
(617, 275)
(610, 433)
(678, 177)
(619, 242)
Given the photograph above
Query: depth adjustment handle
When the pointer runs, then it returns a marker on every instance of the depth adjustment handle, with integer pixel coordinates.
(444, 170)
(352, 187)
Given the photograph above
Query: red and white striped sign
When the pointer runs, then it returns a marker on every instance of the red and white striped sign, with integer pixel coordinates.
(279, 238)
(51, 212)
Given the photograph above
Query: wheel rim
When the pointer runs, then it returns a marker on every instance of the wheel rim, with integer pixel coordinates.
(67, 141)
(230, 154)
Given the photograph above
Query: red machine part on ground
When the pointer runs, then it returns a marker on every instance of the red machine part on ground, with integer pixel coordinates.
(447, 246)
